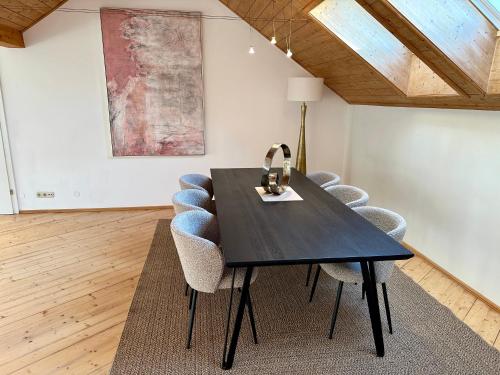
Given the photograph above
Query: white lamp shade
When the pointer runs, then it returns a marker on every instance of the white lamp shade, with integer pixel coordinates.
(305, 89)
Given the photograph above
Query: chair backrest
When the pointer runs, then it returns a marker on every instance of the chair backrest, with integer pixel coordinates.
(191, 199)
(351, 196)
(393, 225)
(196, 235)
(324, 179)
(197, 181)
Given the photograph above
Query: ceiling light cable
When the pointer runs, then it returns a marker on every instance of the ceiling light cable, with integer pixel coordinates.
(251, 50)
(289, 52)
(273, 38)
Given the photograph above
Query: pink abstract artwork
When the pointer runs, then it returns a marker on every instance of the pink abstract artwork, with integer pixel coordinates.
(153, 63)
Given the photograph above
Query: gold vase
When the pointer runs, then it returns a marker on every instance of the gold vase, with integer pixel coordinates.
(301, 164)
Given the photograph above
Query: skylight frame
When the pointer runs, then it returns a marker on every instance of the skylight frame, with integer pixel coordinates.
(490, 9)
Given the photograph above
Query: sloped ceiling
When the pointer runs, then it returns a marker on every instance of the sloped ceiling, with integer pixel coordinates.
(454, 47)
(449, 55)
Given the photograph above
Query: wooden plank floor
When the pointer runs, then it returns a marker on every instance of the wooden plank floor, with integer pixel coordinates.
(68, 280)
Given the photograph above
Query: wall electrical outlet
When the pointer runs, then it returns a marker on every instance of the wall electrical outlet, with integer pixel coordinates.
(45, 194)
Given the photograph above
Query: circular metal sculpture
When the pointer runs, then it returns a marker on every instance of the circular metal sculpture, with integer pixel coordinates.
(271, 181)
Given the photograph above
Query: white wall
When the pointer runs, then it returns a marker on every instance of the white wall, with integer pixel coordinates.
(5, 197)
(56, 107)
(441, 170)
(8, 202)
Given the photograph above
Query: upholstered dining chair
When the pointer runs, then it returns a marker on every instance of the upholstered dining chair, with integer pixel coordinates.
(324, 179)
(351, 196)
(197, 181)
(196, 237)
(192, 199)
(391, 223)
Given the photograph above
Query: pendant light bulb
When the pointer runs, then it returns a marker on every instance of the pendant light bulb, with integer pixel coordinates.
(251, 50)
(289, 53)
(273, 40)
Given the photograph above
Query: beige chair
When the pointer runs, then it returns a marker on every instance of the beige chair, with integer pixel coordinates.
(392, 224)
(192, 199)
(196, 237)
(351, 196)
(197, 181)
(324, 179)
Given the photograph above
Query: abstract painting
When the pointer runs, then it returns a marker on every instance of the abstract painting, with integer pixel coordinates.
(153, 62)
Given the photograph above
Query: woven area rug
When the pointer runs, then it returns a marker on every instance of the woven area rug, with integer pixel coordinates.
(427, 339)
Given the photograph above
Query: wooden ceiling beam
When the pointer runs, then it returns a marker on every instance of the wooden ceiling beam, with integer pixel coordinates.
(458, 45)
(10, 37)
(16, 16)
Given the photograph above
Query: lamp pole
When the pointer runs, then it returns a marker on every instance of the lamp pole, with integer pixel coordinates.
(301, 163)
(303, 90)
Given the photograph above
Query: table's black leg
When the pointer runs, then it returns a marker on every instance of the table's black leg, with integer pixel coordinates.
(363, 290)
(228, 362)
(370, 281)
(252, 319)
(229, 309)
(308, 277)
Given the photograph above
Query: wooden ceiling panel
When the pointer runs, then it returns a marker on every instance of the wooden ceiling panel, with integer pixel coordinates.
(20, 15)
(349, 75)
(256, 8)
(16, 16)
(243, 7)
(494, 82)
(18, 19)
(32, 10)
(310, 39)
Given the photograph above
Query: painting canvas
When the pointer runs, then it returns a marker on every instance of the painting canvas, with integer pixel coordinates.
(153, 62)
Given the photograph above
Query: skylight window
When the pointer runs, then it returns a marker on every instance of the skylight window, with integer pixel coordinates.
(354, 26)
(490, 9)
(496, 4)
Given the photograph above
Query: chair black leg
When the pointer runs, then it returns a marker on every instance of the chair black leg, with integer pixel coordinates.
(186, 289)
(363, 291)
(252, 319)
(309, 269)
(191, 299)
(387, 309)
(315, 282)
(336, 308)
(191, 317)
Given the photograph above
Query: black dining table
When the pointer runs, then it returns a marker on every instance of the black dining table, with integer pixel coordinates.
(317, 229)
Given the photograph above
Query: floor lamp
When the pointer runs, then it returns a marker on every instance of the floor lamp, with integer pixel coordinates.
(304, 89)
